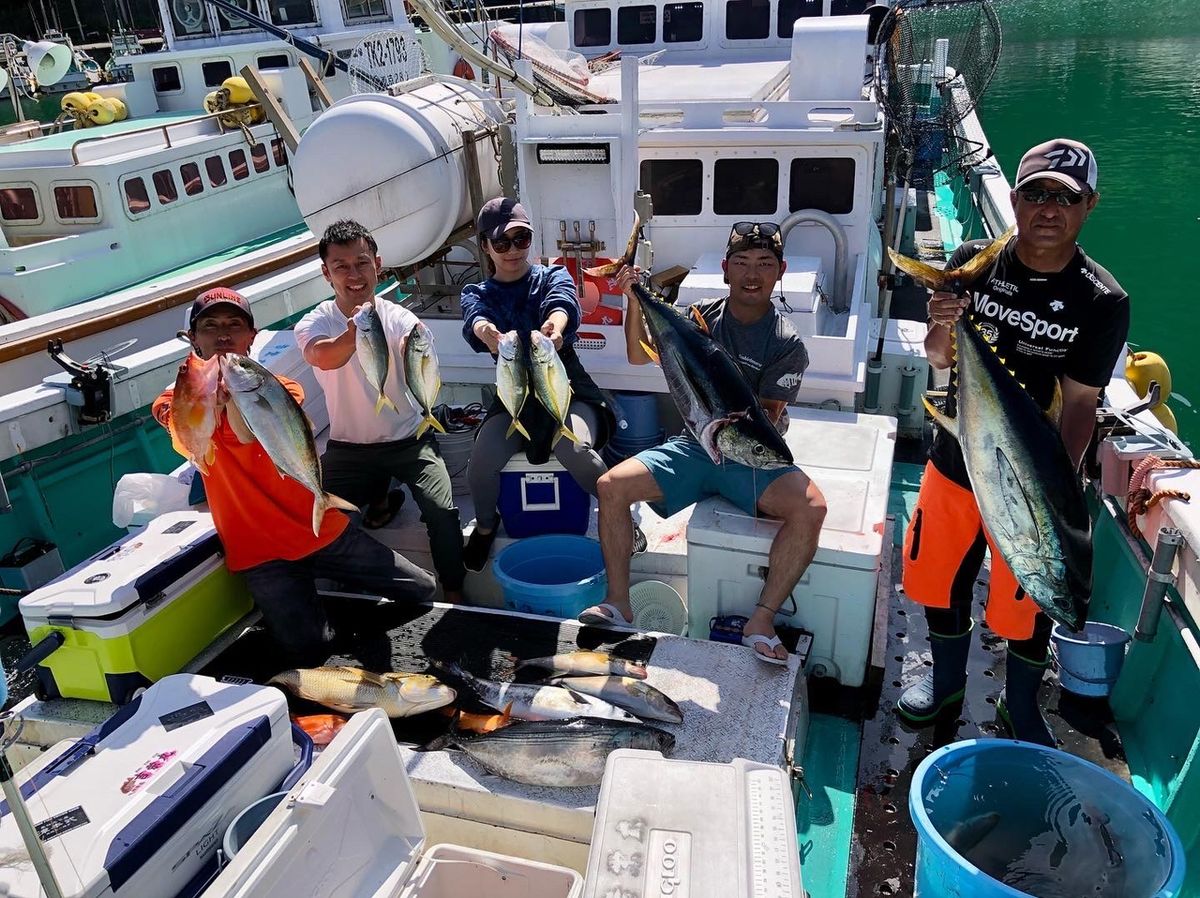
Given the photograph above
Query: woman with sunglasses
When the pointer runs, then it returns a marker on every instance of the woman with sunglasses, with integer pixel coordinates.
(523, 297)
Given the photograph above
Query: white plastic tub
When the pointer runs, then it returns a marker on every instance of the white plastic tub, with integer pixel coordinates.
(450, 871)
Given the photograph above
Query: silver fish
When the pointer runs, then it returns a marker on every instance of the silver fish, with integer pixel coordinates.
(576, 664)
(556, 752)
(635, 696)
(550, 383)
(269, 414)
(370, 345)
(512, 380)
(530, 701)
(422, 374)
(348, 689)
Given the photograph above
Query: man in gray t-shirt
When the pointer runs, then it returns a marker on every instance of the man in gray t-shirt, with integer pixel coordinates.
(679, 473)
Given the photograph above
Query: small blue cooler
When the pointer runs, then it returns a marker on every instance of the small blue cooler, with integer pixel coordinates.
(540, 499)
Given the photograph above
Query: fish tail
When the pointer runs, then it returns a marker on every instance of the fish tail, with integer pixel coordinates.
(382, 401)
(925, 274)
(517, 427)
(565, 431)
(444, 741)
(322, 504)
(430, 421)
(627, 259)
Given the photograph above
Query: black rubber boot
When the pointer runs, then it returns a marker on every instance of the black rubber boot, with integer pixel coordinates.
(1018, 705)
(945, 683)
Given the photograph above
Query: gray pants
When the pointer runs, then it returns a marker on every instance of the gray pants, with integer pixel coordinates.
(493, 450)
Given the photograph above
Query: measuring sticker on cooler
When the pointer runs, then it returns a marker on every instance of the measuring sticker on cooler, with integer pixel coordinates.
(176, 719)
(55, 826)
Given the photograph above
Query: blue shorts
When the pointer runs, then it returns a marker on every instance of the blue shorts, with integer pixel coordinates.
(685, 475)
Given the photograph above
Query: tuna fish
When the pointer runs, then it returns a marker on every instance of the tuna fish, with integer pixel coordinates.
(718, 406)
(269, 414)
(556, 752)
(422, 375)
(638, 698)
(348, 689)
(1028, 491)
(512, 380)
(194, 411)
(550, 382)
(582, 664)
(370, 345)
(530, 701)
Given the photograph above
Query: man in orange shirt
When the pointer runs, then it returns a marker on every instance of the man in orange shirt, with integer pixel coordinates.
(265, 520)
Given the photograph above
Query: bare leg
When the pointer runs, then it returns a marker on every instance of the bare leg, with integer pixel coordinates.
(617, 490)
(798, 502)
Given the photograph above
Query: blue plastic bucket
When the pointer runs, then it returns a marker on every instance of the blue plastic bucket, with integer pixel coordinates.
(1089, 662)
(993, 809)
(638, 416)
(557, 575)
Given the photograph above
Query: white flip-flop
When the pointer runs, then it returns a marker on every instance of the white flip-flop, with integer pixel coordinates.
(752, 640)
(605, 615)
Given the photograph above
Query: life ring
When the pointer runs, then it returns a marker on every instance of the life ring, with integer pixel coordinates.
(462, 69)
(1143, 367)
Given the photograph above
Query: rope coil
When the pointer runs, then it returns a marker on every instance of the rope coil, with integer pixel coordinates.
(1140, 499)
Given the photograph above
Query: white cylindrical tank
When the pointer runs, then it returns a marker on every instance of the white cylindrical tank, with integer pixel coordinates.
(395, 164)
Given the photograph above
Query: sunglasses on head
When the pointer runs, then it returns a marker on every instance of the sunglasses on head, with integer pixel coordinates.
(504, 244)
(1039, 196)
(766, 229)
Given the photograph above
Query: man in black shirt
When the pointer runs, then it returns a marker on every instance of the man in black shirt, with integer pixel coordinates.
(1052, 314)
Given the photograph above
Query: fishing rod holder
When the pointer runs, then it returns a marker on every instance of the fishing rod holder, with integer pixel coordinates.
(90, 387)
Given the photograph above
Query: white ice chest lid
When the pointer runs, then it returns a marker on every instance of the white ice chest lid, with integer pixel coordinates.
(849, 456)
(137, 569)
(656, 833)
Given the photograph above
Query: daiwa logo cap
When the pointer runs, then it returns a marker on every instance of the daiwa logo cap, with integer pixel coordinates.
(1066, 161)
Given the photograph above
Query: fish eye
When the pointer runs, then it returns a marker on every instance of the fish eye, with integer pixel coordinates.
(759, 448)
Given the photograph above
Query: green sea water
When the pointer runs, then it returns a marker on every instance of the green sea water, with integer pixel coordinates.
(1123, 76)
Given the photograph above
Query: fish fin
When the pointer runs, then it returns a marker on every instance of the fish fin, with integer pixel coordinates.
(320, 506)
(975, 267)
(650, 352)
(924, 273)
(699, 319)
(1020, 526)
(1054, 413)
(565, 431)
(950, 425)
(368, 677)
(237, 423)
(211, 454)
(708, 438)
(518, 427)
(444, 741)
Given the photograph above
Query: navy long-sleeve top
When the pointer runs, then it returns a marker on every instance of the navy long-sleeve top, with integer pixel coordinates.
(522, 305)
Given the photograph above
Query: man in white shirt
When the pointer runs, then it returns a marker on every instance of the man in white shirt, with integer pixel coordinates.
(368, 448)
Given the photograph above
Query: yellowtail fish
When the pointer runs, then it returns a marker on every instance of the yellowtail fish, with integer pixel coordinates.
(422, 375)
(635, 696)
(583, 664)
(550, 383)
(194, 411)
(348, 689)
(512, 380)
(529, 701)
(266, 411)
(371, 348)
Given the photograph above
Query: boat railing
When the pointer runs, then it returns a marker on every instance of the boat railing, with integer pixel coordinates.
(164, 129)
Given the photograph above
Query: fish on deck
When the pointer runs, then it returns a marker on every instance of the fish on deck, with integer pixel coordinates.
(349, 689)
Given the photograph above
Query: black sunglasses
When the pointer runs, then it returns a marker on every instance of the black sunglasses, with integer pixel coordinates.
(1038, 196)
(504, 244)
(754, 229)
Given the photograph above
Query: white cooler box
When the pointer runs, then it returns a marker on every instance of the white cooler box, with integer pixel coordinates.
(656, 834)
(137, 808)
(351, 828)
(849, 456)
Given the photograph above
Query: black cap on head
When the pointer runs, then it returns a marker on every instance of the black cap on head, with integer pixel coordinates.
(219, 296)
(1066, 161)
(500, 214)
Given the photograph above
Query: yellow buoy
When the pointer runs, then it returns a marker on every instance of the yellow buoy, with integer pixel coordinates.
(92, 96)
(1166, 417)
(75, 101)
(1143, 367)
(239, 90)
(120, 110)
(101, 113)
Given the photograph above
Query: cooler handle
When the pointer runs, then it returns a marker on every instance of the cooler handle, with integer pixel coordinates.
(303, 742)
(46, 647)
(526, 479)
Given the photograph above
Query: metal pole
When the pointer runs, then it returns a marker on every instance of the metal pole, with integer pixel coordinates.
(78, 22)
(1158, 578)
(33, 843)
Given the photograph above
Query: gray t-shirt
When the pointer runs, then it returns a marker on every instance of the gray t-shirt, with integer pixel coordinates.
(769, 351)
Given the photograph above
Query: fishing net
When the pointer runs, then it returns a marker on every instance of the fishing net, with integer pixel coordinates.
(935, 60)
(564, 75)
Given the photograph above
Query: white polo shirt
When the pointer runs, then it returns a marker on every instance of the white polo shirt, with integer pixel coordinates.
(349, 397)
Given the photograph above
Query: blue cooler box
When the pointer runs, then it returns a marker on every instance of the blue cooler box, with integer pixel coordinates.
(539, 499)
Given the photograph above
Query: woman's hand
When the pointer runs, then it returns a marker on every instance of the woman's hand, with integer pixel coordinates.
(489, 335)
(946, 308)
(550, 329)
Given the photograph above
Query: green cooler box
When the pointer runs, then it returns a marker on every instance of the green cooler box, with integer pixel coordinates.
(134, 613)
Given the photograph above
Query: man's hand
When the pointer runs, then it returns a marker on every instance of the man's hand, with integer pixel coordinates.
(550, 329)
(946, 308)
(626, 277)
(350, 324)
(489, 335)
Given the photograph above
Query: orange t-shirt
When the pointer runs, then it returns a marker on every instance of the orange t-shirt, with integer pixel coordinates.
(259, 515)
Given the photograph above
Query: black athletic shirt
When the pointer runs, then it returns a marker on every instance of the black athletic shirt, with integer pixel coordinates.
(1072, 322)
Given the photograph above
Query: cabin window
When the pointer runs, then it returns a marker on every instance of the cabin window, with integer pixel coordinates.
(747, 20)
(237, 165)
(849, 7)
(825, 184)
(136, 198)
(636, 24)
(164, 186)
(593, 28)
(215, 166)
(216, 72)
(745, 186)
(258, 155)
(279, 151)
(365, 10)
(189, 19)
(293, 12)
(683, 22)
(167, 79)
(230, 22)
(189, 173)
(18, 204)
(791, 10)
(76, 201)
(675, 185)
(274, 61)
